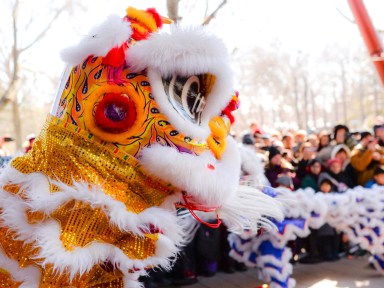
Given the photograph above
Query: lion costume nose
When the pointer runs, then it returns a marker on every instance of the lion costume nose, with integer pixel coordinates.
(220, 127)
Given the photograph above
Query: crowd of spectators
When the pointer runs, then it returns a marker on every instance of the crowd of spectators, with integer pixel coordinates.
(327, 162)
(340, 157)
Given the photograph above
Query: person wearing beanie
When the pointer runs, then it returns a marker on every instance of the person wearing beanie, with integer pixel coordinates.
(248, 139)
(285, 181)
(273, 152)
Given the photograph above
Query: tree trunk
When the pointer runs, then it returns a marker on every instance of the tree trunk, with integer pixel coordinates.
(375, 99)
(314, 120)
(324, 111)
(296, 98)
(335, 103)
(14, 87)
(306, 112)
(17, 124)
(173, 9)
(361, 101)
(343, 93)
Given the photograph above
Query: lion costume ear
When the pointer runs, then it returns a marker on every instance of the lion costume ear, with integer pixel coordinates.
(111, 38)
(113, 33)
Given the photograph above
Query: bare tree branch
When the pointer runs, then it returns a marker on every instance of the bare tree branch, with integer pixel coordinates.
(354, 22)
(44, 31)
(213, 14)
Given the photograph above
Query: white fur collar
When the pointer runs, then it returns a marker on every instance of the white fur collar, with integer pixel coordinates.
(192, 174)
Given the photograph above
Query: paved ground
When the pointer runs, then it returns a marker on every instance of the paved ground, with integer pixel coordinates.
(346, 273)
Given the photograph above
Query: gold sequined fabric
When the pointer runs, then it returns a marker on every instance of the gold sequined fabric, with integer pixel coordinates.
(81, 224)
(66, 153)
(100, 276)
(6, 280)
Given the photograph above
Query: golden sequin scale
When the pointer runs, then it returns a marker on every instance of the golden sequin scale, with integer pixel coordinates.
(66, 153)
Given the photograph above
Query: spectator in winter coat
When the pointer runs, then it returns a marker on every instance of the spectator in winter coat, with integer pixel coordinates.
(365, 157)
(305, 154)
(273, 168)
(341, 135)
(287, 141)
(326, 183)
(345, 181)
(324, 140)
(378, 130)
(348, 176)
(343, 153)
(313, 172)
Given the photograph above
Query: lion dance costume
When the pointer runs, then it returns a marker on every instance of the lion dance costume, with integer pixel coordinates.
(140, 125)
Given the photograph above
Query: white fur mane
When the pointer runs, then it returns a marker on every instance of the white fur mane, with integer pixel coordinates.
(110, 34)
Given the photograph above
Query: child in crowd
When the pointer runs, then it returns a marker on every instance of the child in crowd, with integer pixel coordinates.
(323, 242)
(378, 178)
(328, 239)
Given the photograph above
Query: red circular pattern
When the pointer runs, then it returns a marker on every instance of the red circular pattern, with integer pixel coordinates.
(115, 113)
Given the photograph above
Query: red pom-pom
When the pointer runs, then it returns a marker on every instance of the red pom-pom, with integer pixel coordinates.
(232, 106)
(156, 17)
(115, 56)
(115, 113)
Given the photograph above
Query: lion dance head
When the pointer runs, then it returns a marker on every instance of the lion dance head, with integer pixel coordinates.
(140, 125)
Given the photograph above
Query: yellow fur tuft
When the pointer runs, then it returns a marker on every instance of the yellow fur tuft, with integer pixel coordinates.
(142, 17)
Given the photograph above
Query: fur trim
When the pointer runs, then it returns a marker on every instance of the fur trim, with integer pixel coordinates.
(185, 52)
(191, 173)
(39, 198)
(110, 34)
(252, 166)
(81, 260)
(29, 276)
(339, 147)
(131, 281)
(46, 235)
(220, 185)
(249, 209)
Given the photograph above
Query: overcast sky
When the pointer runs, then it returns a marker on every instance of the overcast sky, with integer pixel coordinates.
(298, 25)
(305, 25)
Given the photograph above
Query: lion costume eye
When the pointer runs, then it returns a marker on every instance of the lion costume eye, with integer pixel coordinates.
(189, 73)
(115, 113)
(188, 95)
